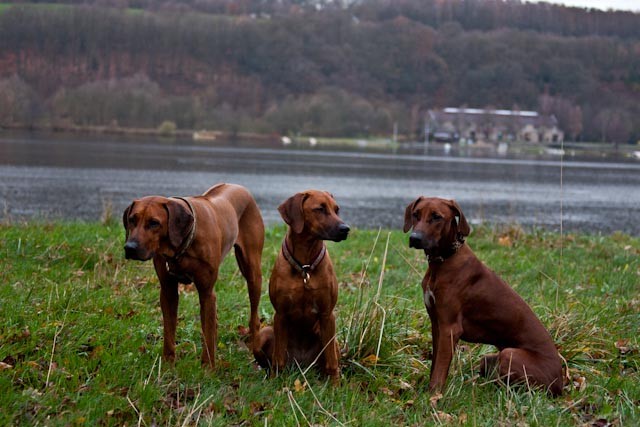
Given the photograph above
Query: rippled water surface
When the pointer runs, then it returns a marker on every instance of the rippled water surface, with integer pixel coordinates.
(71, 177)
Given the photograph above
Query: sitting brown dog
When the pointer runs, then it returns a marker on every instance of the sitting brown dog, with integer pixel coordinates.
(188, 238)
(303, 287)
(465, 300)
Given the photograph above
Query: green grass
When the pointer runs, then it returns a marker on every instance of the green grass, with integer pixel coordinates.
(5, 6)
(42, 6)
(81, 335)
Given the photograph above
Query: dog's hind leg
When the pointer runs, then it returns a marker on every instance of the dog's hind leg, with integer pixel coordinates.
(489, 365)
(248, 250)
(263, 347)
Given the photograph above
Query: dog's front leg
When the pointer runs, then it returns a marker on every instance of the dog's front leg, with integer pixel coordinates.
(205, 282)
(169, 299)
(446, 339)
(329, 345)
(281, 341)
(434, 351)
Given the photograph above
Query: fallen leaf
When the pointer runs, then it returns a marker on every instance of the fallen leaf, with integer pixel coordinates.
(257, 408)
(96, 352)
(579, 382)
(299, 386)
(186, 288)
(433, 400)
(443, 417)
(601, 422)
(386, 391)
(4, 366)
(505, 241)
(32, 392)
(10, 360)
(405, 385)
(371, 359)
(228, 406)
(623, 347)
(33, 364)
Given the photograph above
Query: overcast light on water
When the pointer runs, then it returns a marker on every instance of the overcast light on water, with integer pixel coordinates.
(44, 177)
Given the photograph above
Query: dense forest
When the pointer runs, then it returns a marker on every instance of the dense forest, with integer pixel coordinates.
(316, 67)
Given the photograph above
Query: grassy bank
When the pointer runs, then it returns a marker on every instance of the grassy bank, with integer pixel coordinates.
(80, 336)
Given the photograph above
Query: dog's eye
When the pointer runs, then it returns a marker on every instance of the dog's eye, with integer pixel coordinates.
(337, 211)
(153, 223)
(436, 217)
(320, 209)
(133, 220)
(416, 216)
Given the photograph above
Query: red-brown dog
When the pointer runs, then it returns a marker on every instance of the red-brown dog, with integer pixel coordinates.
(188, 238)
(303, 287)
(465, 300)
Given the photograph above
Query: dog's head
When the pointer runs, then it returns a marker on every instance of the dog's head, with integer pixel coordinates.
(437, 224)
(314, 212)
(154, 225)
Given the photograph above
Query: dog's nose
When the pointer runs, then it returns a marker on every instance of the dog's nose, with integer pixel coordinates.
(130, 249)
(415, 240)
(344, 228)
(340, 233)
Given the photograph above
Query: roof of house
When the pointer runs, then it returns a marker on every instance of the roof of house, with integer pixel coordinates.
(497, 117)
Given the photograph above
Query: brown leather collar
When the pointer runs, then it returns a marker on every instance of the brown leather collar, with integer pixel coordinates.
(454, 248)
(303, 269)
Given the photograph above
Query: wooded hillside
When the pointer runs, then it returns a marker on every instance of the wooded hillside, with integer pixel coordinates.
(317, 68)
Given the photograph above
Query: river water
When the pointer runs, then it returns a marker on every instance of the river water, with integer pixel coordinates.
(73, 177)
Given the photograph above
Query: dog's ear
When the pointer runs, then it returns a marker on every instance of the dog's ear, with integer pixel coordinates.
(125, 219)
(461, 222)
(292, 213)
(179, 222)
(408, 214)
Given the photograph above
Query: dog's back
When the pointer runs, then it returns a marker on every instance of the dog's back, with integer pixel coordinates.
(512, 322)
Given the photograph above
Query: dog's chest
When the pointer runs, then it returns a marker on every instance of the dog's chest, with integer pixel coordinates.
(303, 303)
(428, 294)
(176, 272)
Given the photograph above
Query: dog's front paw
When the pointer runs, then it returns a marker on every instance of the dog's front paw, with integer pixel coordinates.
(334, 375)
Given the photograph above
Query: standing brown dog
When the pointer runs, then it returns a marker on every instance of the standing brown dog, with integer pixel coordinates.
(188, 238)
(465, 300)
(303, 287)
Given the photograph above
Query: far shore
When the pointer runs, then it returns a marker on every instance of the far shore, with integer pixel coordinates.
(568, 147)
